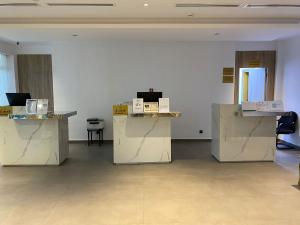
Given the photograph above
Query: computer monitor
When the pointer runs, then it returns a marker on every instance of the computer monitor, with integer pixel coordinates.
(149, 96)
(17, 99)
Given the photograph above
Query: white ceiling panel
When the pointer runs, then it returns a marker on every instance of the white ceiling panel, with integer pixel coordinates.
(53, 20)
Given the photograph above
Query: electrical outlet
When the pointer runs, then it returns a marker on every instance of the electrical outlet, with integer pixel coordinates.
(200, 131)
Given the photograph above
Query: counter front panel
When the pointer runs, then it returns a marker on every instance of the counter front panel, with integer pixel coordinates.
(142, 139)
(239, 138)
(34, 141)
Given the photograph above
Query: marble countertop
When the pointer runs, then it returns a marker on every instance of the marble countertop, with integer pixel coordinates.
(154, 115)
(58, 115)
(261, 113)
(249, 113)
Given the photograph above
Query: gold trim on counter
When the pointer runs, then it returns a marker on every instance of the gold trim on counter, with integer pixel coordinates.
(5, 110)
(154, 115)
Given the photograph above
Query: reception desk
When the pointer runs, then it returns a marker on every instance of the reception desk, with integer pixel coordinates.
(239, 136)
(143, 138)
(34, 139)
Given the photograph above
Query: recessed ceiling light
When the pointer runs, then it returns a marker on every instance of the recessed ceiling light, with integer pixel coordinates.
(146, 4)
(75, 35)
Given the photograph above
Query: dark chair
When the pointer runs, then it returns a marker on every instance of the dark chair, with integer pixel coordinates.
(286, 125)
(95, 125)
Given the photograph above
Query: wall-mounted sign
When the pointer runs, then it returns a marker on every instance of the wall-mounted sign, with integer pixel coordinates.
(228, 75)
(120, 110)
(254, 64)
(228, 79)
(228, 71)
(5, 110)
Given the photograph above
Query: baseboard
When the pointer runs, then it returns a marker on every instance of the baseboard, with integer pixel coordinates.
(173, 140)
(85, 141)
(191, 140)
(294, 147)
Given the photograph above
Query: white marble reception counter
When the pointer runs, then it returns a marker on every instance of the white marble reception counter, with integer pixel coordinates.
(34, 139)
(143, 138)
(238, 137)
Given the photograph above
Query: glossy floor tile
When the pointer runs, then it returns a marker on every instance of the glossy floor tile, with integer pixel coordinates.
(194, 189)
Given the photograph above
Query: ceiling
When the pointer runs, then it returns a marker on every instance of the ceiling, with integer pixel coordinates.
(194, 20)
(217, 33)
(156, 9)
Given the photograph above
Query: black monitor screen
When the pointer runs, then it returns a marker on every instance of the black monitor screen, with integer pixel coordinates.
(17, 99)
(149, 96)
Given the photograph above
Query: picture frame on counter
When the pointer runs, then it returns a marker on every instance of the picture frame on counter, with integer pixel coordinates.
(164, 105)
(138, 105)
(151, 107)
(42, 106)
(31, 106)
(36, 106)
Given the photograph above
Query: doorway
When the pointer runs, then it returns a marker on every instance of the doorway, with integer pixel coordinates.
(252, 86)
(254, 76)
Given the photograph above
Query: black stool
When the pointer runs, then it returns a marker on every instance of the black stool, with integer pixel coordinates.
(95, 125)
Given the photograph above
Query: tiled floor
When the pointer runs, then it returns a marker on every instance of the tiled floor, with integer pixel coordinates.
(194, 189)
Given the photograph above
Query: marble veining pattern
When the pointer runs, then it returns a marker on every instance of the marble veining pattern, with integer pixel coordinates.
(238, 138)
(249, 136)
(29, 142)
(33, 142)
(140, 147)
(142, 139)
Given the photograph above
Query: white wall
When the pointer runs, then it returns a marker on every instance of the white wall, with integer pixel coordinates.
(7, 48)
(92, 76)
(289, 72)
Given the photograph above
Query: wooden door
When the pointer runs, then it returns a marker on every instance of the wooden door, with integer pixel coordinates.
(251, 59)
(35, 76)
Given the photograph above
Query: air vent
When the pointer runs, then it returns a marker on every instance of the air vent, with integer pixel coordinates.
(18, 4)
(272, 6)
(195, 5)
(81, 4)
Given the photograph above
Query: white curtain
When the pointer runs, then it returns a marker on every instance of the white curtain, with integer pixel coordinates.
(5, 78)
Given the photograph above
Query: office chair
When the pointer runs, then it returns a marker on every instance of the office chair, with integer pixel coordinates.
(286, 125)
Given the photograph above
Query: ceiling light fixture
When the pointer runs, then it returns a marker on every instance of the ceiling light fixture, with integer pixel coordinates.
(146, 4)
(273, 6)
(74, 35)
(81, 4)
(200, 5)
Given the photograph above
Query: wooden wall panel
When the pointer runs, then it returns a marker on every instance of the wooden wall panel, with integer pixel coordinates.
(35, 76)
(266, 59)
